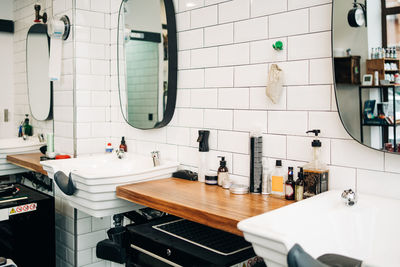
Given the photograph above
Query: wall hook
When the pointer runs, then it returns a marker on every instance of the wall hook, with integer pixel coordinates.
(278, 46)
(39, 17)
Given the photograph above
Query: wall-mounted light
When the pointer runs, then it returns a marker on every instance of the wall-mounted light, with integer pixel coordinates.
(357, 16)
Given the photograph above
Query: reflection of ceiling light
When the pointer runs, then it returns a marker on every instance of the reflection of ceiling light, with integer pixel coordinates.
(190, 4)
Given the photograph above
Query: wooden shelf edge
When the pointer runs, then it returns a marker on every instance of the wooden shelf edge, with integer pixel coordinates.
(181, 210)
(27, 161)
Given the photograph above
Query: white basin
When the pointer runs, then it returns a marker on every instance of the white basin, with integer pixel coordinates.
(10, 146)
(96, 178)
(368, 231)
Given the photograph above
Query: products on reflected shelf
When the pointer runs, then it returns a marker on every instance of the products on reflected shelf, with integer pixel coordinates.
(380, 52)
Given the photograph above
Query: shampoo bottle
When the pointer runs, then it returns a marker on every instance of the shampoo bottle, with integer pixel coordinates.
(203, 149)
(315, 172)
(277, 179)
(223, 174)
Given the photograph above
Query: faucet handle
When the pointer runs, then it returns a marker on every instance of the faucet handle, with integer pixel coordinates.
(120, 153)
(349, 197)
(156, 158)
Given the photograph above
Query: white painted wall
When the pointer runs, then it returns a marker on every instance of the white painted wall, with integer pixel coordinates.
(7, 129)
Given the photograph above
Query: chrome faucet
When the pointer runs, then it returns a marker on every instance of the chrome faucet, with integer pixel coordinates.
(349, 197)
(120, 153)
(156, 158)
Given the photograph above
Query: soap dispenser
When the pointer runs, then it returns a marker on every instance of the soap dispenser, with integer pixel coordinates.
(203, 149)
(223, 174)
(315, 172)
(27, 128)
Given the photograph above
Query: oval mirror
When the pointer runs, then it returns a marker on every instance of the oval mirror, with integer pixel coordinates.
(366, 39)
(40, 89)
(147, 62)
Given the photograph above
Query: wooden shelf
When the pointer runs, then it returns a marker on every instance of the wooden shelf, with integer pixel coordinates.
(28, 161)
(198, 202)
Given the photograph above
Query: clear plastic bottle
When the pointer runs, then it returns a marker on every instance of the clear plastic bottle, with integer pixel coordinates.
(266, 179)
(278, 179)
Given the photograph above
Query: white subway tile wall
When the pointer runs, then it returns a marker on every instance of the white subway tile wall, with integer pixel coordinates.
(62, 110)
(225, 52)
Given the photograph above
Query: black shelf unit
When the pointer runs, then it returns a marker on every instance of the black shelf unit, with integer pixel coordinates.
(384, 97)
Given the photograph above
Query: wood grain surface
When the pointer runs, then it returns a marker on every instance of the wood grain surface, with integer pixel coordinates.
(27, 161)
(198, 202)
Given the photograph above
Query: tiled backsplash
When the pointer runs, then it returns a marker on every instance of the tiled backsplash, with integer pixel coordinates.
(225, 51)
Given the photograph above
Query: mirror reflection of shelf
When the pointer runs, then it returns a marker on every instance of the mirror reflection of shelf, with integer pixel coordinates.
(379, 66)
(387, 94)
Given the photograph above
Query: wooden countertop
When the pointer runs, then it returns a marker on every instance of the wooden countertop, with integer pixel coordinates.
(195, 201)
(27, 161)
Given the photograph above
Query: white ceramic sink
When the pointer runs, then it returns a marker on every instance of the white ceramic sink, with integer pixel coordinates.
(96, 178)
(368, 231)
(10, 146)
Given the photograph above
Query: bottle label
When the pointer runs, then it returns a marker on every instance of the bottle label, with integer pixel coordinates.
(289, 190)
(223, 179)
(277, 184)
(299, 192)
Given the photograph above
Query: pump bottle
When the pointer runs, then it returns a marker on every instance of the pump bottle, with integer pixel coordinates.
(203, 149)
(315, 172)
(223, 174)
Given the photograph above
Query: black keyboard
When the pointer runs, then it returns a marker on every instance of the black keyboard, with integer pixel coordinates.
(209, 238)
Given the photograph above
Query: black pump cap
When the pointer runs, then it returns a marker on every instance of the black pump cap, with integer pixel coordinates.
(315, 142)
(222, 162)
(26, 117)
(203, 140)
(300, 174)
(123, 140)
(278, 163)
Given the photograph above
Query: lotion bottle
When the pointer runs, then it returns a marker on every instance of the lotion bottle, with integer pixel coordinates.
(223, 174)
(203, 149)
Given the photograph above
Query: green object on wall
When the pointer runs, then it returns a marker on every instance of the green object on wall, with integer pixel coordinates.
(278, 45)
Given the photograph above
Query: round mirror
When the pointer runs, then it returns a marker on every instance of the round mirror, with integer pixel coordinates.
(147, 62)
(37, 69)
(366, 41)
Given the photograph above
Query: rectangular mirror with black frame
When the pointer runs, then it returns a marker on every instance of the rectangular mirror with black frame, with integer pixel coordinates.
(147, 62)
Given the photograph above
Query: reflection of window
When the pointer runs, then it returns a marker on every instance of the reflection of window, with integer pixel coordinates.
(392, 3)
(393, 30)
(391, 23)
